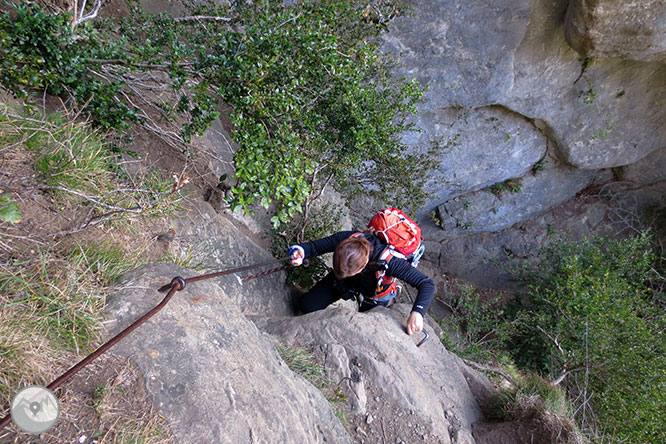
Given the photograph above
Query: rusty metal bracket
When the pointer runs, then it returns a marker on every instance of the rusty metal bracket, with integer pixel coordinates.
(176, 284)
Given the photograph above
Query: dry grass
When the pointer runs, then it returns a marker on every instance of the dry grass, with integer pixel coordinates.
(539, 405)
(53, 288)
(107, 404)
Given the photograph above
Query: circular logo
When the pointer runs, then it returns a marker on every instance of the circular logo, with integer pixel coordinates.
(35, 409)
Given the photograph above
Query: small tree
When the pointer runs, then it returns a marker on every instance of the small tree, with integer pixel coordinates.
(313, 100)
(594, 325)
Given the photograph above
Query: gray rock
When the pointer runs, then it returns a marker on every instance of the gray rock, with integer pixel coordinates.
(510, 145)
(210, 371)
(605, 115)
(629, 29)
(484, 258)
(650, 169)
(426, 380)
(497, 209)
(472, 54)
(462, 49)
(215, 243)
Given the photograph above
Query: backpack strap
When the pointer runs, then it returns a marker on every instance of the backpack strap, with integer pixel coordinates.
(385, 284)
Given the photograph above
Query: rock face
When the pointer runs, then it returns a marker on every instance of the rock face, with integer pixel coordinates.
(213, 242)
(511, 146)
(396, 390)
(473, 55)
(650, 169)
(512, 84)
(499, 207)
(628, 29)
(210, 372)
(216, 377)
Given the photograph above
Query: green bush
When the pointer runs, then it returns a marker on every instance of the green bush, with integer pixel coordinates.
(41, 51)
(312, 98)
(591, 322)
(473, 331)
(592, 319)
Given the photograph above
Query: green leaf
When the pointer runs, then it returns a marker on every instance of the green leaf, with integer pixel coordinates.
(9, 210)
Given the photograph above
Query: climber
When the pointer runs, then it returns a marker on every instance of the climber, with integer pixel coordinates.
(360, 266)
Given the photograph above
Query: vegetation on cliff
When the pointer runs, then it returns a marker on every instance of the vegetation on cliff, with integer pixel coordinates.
(591, 322)
(313, 101)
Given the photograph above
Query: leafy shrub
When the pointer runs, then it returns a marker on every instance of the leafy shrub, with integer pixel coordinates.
(41, 51)
(592, 322)
(589, 322)
(320, 223)
(473, 331)
(9, 210)
(312, 98)
(313, 103)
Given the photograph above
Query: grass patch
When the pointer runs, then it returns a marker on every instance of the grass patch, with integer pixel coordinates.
(53, 288)
(63, 294)
(513, 185)
(74, 163)
(544, 405)
(301, 361)
(473, 331)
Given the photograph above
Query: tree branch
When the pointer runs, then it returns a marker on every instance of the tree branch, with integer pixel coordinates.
(91, 199)
(192, 18)
(490, 368)
(81, 16)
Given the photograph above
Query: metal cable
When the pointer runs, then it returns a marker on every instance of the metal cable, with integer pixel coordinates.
(176, 284)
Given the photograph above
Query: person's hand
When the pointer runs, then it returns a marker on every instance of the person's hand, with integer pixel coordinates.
(297, 254)
(414, 322)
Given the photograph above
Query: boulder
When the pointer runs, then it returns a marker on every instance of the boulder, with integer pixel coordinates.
(471, 55)
(650, 169)
(485, 259)
(598, 114)
(396, 391)
(210, 372)
(510, 146)
(214, 242)
(628, 29)
(463, 50)
(498, 207)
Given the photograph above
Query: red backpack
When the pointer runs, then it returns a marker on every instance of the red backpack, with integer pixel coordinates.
(403, 239)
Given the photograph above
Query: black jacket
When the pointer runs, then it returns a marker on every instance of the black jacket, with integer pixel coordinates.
(366, 282)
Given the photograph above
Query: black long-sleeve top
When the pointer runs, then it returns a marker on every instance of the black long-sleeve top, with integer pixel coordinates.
(366, 282)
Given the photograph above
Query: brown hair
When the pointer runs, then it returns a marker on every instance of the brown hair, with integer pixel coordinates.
(350, 256)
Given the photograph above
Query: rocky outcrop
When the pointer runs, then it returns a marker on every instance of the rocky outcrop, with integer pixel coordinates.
(599, 114)
(214, 242)
(396, 390)
(650, 169)
(628, 29)
(507, 203)
(507, 90)
(216, 377)
(210, 371)
(510, 147)
(514, 57)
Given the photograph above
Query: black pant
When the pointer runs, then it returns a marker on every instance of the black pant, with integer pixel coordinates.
(329, 290)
